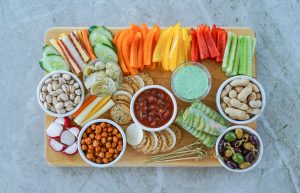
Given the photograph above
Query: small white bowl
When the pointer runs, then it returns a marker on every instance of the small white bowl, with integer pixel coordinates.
(260, 148)
(39, 88)
(149, 128)
(218, 100)
(81, 153)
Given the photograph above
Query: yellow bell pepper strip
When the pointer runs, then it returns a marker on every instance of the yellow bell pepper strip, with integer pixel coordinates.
(165, 59)
(160, 46)
(173, 54)
(187, 44)
(181, 50)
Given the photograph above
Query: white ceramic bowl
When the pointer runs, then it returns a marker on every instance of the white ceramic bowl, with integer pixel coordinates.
(149, 128)
(260, 148)
(218, 100)
(81, 153)
(40, 88)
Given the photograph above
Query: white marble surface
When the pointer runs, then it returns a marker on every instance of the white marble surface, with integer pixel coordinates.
(22, 26)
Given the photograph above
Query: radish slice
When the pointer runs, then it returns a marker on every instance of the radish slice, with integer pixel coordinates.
(67, 137)
(72, 149)
(65, 121)
(74, 131)
(54, 130)
(55, 145)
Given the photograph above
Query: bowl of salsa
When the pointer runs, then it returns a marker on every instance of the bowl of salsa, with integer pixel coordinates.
(191, 81)
(153, 108)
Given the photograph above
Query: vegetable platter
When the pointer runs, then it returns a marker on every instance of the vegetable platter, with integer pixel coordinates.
(131, 157)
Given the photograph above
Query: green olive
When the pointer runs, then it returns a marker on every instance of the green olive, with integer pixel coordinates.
(228, 153)
(230, 136)
(245, 165)
(238, 158)
(248, 146)
(246, 137)
(239, 133)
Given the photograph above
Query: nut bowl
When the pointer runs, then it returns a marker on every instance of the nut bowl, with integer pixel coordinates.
(253, 118)
(259, 148)
(66, 90)
(81, 152)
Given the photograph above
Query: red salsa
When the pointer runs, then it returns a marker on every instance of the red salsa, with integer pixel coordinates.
(153, 108)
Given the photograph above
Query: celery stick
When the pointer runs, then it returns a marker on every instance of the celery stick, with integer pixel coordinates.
(227, 51)
(231, 54)
(243, 56)
(249, 61)
(253, 42)
(236, 58)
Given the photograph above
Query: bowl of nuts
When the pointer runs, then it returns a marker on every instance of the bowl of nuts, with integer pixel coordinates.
(239, 148)
(241, 99)
(60, 93)
(101, 143)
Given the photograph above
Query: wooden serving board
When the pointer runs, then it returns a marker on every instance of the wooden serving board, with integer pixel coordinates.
(132, 158)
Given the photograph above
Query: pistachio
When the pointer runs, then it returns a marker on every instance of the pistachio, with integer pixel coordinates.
(72, 88)
(49, 88)
(55, 85)
(46, 106)
(59, 91)
(76, 85)
(58, 98)
(53, 93)
(61, 80)
(66, 76)
(55, 76)
(61, 111)
(49, 99)
(64, 97)
(65, 88)
(69, 108)
(49, 80)
(59, 105)
(78, 92)
(71, 82)
(54, 101)
(52, 108)
(72, 96)
(44, 88)
(68, 104)
(42, 96)
(77, 99)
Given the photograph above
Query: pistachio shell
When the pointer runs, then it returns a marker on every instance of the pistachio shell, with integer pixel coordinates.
(54, 101)
(64, 97)
(59, 91)
(72, 96)
(78, 92)
(42, 96)
(69, 108)
(55, 76)
(53, 93)
(55, 85)
(59, 105)
(68, 104)
(49, 88)
(65, 88)
(61, 80)
(71, 82)
(77, 99)
(76, 85)
(49, 80)
(66, 76)
(49, 99)
(52, 108)
(61, 111)
(46, 106)
(72, 88)
(44, 88)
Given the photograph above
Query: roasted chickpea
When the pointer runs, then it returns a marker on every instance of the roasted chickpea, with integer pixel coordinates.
(120, 142)
(108, 155)
(88, 130)
(98, 149)
(101, 154)
(104, 129)
(104, 134)
(92, 136)
(108, 145)
(94, 159)
(93, 126)
(97, 136)
(115, 155)
(105, 160)
(102, 125)
(108, 125)
(115, 139)
(88, 141)
(84, 136)
(119, 136)
(89, 156)
(115, 131)
(84, 147)
(109, 129)
(96, 143)
(91, 146)
(98, 129)
(111, 150)
(110, 159)
(98, 160)
(113, 145)
(110, 134)
(119, 148)
(109, 138)
(82, 142)
(103, 149)
(103, 140)
(91, 151)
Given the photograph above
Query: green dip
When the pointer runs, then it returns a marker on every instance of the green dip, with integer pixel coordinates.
(190, 82)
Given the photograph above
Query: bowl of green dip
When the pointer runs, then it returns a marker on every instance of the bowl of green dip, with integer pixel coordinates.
(191, 81)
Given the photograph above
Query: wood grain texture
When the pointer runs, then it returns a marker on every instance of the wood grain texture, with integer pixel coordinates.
(132, 158)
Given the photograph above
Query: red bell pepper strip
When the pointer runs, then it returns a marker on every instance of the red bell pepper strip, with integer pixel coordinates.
(214, 33)
(204, 53)
(212, 48)
(222, 39)
(194, 46)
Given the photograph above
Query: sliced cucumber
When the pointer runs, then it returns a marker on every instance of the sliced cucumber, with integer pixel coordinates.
(101, 29)
(236, 58)
(49, 50)
(243, 57)
(106, 52)
(230, 62)
(53, 62)
(227, 51)
(96, 37)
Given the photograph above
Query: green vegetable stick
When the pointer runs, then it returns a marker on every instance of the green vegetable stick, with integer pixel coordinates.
(243, 56)
(231, 54)
(249, 62)
(227, 51)
(253, 42)
(236, 58)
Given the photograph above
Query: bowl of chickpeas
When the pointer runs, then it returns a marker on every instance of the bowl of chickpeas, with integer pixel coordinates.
(101, 143)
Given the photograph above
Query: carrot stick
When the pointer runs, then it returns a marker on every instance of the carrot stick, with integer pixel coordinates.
(135, 28)
(126, 43)
(145, 30)
(86, 41)
(116, 37)
(119, 51)
(140, 54)
(134, 50)
(149, 47)
(84, 105)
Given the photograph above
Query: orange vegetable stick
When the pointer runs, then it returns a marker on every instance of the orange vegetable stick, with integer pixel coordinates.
(119, 51)
(116, 37)
(126, 44)
(140, 54)
(156, 37)
(134, 50)
(135, 27)
(88, 101)
(145, 30)
(86, 41)
(149, 47)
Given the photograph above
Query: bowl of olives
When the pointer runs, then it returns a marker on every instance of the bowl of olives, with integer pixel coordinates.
(239, 148)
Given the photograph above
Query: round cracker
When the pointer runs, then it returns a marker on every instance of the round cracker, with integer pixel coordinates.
(120, 113)
(171, 143)
(178, 132)
(146, 78)
(122, 92)
(146, 146)
(120, 97)
(152, 142)
(126, 87)
(163, 140)
(142, 143)
(158, 146)
(130, 81)
(123, 102)
(140, 80)
(169, 140)
(134, 134)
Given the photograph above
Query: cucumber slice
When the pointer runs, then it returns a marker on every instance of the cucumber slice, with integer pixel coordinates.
(103, 30)
(227, 51)
(49, 50)
(106, 52)
(230, 62)
(236, 58)
(96, 37)
(54, 62)
(243, 56)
